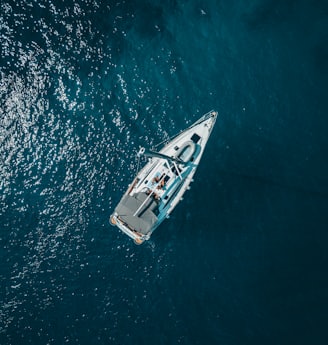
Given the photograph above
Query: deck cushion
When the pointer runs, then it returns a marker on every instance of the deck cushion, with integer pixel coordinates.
(145, 219)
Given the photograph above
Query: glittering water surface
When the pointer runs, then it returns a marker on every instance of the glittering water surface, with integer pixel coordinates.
(243, 258)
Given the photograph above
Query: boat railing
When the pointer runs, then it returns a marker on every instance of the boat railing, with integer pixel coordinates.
(203, 118)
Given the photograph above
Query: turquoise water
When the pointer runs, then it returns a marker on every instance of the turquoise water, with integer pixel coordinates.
(243, 258)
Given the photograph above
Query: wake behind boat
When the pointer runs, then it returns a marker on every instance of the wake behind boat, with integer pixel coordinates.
(161, 183)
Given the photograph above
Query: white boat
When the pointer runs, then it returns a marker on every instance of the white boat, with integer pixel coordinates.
(161, 183)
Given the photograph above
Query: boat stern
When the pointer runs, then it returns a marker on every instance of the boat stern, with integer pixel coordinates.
(138, 238)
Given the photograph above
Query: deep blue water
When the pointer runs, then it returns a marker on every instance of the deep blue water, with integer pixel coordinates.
(243, 259)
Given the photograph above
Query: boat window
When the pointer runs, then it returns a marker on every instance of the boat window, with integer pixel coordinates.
(195, 138)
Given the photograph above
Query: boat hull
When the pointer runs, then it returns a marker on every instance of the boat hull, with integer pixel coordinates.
(160, 185)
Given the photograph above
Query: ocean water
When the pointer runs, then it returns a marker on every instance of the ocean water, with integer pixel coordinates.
(243, 259)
